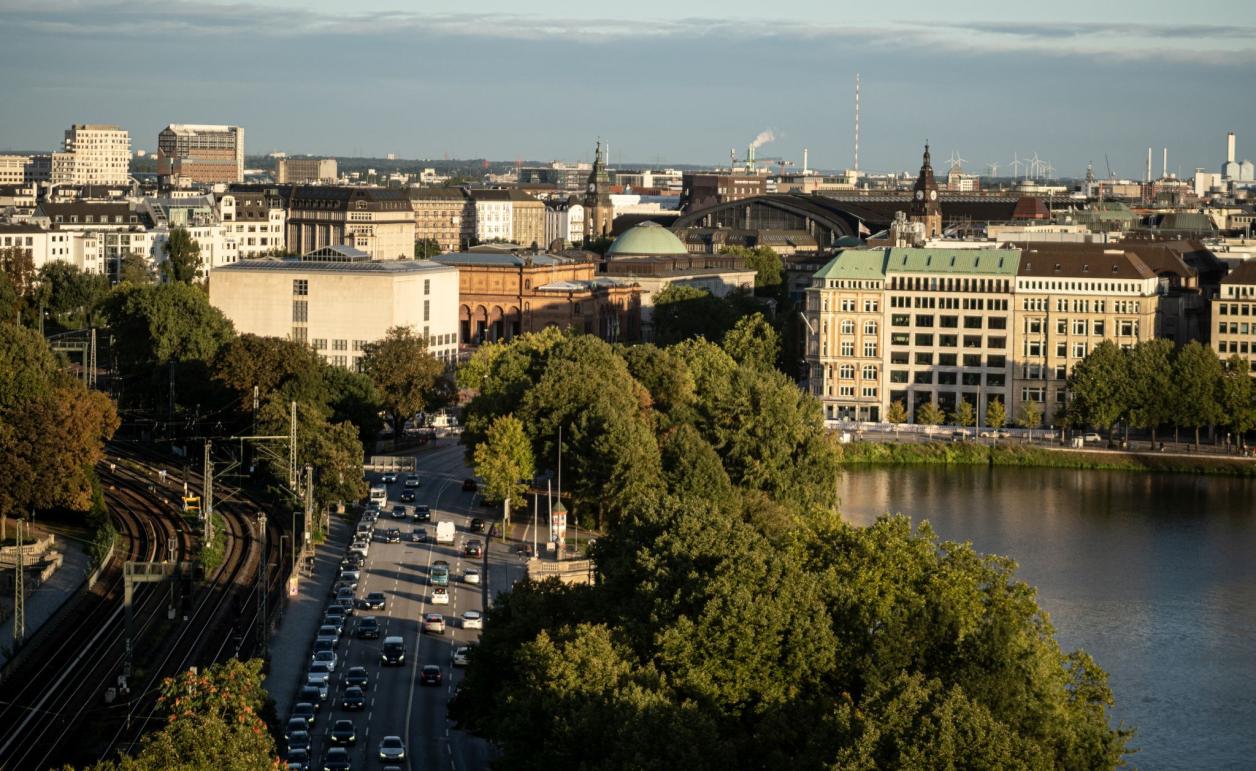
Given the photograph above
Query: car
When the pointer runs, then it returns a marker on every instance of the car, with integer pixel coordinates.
(326, 657)
(440, 573)
(399, 512)
(320, 678)
(392, 748)
(434, 623)
(412, 480)
(477, 525)
(388, 478)
(353, 698)
(368, 628)
(440, 596)
(344, 586)
(407, 496)
(471, 576)
(306, 710)
(418, 535)
(337, 759)
(472, 619)
(1091, 437)
(364, 530)
(423, 512)
(297, 760)
(357, 676)
(320, 671)
(336, 621)
(374, 601)
(360, 547)
(462, 656)
(323, 644)
(298, 740)
(429, 675)
(343, 732)
(296, 724)
(961, 433)
(469, 485)
(345, 604)
(334, 611)
(392, 535)
(370, 515)
(329, 630)
(352, 562)
(473, 548)
(312, 694)
(394, 651)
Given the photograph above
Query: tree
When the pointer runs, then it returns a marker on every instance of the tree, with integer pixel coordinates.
(1030, 414)
(134, 269)
(1237, 397)
(70, 294)
(1197, 379)
(964, 414)
(407, 376)
(928, 414)
(213, 720)
(996, 414)
(183, 256)
(1099, 387)
(20, 304)
(333, 450)
(1151, 384)
(763, 260)
(504, 461)
(752, 341)
(897, 412)
(426, 248)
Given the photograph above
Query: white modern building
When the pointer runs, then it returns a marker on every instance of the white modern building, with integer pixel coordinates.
(564, 220)
(494, 215)
(336, 299)
(95, 154)
(254, 221)
(81, 249)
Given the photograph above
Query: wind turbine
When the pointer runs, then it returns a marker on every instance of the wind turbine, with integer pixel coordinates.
(1035, 166)
(1050, 171)
(993, 168)
(955, 162)
(1016, 164)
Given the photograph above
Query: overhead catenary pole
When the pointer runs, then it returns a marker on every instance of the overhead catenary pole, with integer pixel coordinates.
(262, 589)
(19, 590)
(207, 494)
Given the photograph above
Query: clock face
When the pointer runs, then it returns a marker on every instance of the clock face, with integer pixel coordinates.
(592, 188)
(933, 195)
(920, 195)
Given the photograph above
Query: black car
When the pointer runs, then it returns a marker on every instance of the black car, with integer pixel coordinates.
(368, 628)
(477, 525)
(353, 698)
(374, 601)
(407, 496)
(357, 676)
(399, 512)
(337, 759)
(473, 549)
(298, 759)
(430, 675)
(298, 740)
(392, 535)
(470, 485)
(423, 513)
(306, 710)
(343, 732)
(311, 694)
(418, 535)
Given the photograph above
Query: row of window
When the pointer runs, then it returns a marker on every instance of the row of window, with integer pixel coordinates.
(948, 322)
(1235, 328)
(928, 358)
(1235, 346)
(929, 377)
(1235, 309)
(948, 284)
(1038, 348)
(869, 392)
(946, 341)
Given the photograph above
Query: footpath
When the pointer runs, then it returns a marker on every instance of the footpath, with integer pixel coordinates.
(43, 601)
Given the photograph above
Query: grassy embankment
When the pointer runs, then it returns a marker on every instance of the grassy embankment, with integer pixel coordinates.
(977, 454)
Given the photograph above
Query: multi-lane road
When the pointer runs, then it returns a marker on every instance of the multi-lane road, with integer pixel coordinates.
(397, 703)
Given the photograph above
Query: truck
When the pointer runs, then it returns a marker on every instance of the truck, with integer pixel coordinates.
(444, 532)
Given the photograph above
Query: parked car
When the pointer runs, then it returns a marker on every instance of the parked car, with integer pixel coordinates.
(430, 675)
(418, 535)
(1091, 437)
(472, 619)
(312, 694)
(324, 643)
(319, 674)
(326, 657)
(434, 623)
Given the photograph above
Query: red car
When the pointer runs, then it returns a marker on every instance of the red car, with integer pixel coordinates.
(430, 675)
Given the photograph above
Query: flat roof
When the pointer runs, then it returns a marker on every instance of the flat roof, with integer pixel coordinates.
(395, 267)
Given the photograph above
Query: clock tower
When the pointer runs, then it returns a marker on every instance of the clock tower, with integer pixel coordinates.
(925, 208)
(598, 210)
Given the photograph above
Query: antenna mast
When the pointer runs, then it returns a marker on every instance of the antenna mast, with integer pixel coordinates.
(856, 121)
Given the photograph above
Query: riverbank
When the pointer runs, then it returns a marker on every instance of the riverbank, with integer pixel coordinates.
(1005, 454)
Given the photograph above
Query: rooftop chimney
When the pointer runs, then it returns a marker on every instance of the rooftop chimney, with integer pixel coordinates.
(1229, 147)
(1147, 174)
(1165, 165)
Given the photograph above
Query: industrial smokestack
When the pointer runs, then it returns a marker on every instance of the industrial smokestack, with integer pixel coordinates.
(804, 161)
(1164, 174)
(1147, 174)
(1229, 147)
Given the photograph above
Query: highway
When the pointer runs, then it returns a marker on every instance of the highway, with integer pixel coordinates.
(397, 703)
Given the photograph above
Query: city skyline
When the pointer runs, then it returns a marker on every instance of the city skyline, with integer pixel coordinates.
(659, 88)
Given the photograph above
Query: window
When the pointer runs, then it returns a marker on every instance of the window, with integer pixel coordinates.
(848, 327)
(898, 376)
(1034, 347)
(899, 357)
(948, 322)
(320, 344)
(994, 380)
(1061, 326)
(427, 286)
(340, 345)
(1061, 349)
(900, 320)
(1061, 372)
(946, 378)
(972, 341)
(359, 345)
(846, 372)
(846, 390)
(947, 359)
(870, 391)
(924, 320)
(972, 360)
(923, 377)
(948, 341)
(870, 348)
(900, 338)
(871, 305)
(971, 379)
(869, 372)
(1127, 328)
(1079, 326)
(924, 339)
(300, 311)
(427, 310)
(997, 322)
(998, 342)
(870, 327)
(299, 334)
(300, 287)
(996, 361)
(848, 347)
(1032, 394)
(848, 304)
(1079, 350)
(972, 322)
(1096, 328)
(924, 358)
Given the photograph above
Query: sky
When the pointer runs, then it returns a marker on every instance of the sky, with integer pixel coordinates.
(660, 82)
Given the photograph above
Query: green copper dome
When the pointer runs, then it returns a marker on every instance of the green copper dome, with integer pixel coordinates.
(649, 239)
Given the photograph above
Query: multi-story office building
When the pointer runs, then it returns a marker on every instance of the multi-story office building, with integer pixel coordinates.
(527, 220)
(254, 220)
(304, 171)
(95, 154)
(13, 169)
(374, 220)
(337, 299)
(197, 153)
(445, 215)
(703, 189)
(938, 325)
(1234, 315)
(494, 216)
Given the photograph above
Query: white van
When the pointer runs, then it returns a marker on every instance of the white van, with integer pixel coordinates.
(379, 495)
(444, 532)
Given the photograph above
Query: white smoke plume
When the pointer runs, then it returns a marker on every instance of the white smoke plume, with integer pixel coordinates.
(763, 138)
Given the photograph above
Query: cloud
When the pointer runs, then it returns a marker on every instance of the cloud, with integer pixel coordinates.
(1233, 45)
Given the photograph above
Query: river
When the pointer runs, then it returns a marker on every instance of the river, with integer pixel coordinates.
(1153, 575)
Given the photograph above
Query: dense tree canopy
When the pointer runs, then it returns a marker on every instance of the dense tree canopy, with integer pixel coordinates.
(70, 295)
(763, 260)
(409, 378)
(504, 460)
(183, 256)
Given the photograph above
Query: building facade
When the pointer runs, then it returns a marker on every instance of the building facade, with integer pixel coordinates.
(494, 216)
(198, 153)
(527, 220)
(700, 190)
(305, 171)
(564, 221)
(95, 154)
(254, 221)
(445, 215)
(13, 169)
(1234, 315)
(81, 249)
(924, 207)
(599, 212)
(378, 221)
(337, 300)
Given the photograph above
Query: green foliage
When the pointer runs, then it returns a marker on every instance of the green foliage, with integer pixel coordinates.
(281, 368)
(504, 460)
(666, 378)
(134, 269)
(213, 720)
(929, 414)
(753, 342)
(691, 467)
(28, 366)
(1099, 387)
(996, 414)
(183, 257)
(71, 295)
(897, 412)
(332, 449)
(213, 551)
(103, 532)
(19, 303)
(964, 414)
(408, 377)
(1197, 379)
(1150, 382)
(763, 260)
(1237, 396)
(426, 248)
(1029, 415)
